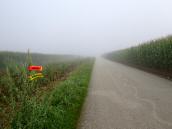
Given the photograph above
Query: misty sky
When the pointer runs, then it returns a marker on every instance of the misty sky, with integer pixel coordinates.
(87, 27)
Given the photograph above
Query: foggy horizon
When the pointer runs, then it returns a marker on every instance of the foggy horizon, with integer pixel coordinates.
(91, 27)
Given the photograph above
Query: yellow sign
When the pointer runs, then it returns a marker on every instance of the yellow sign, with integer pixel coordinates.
(37, 75)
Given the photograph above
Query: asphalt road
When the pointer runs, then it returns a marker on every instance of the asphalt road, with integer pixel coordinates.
(122, 97)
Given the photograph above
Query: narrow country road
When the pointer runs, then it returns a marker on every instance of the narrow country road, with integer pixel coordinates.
(122, 97)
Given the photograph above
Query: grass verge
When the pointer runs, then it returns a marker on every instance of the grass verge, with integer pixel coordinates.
(61, 108)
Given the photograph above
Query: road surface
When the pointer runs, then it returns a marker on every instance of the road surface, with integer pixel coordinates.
(122, 97)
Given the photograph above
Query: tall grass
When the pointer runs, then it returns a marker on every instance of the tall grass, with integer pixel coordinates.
(156, 54)
(60, 109)
(16, 89)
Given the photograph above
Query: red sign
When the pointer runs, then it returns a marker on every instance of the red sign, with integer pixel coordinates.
(35, 68)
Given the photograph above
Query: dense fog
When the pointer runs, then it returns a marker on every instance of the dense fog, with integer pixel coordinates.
(85, 27)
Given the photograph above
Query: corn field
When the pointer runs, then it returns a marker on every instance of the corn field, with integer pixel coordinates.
(16, 89)
(156, 54)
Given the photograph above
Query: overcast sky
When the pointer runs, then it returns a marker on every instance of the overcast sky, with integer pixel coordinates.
(87, 27)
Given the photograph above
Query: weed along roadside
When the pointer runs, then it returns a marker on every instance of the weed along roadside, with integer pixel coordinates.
(60, 108)
(22, 98)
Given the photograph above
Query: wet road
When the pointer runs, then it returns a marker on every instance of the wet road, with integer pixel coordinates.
(122, 97)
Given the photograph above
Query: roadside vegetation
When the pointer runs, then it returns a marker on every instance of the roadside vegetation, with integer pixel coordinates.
(61, 108)
(155, 56)
(20, 103)
(37, 58)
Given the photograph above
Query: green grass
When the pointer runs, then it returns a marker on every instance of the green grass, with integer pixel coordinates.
(61, 108)
(156, 54)
(16, 88)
